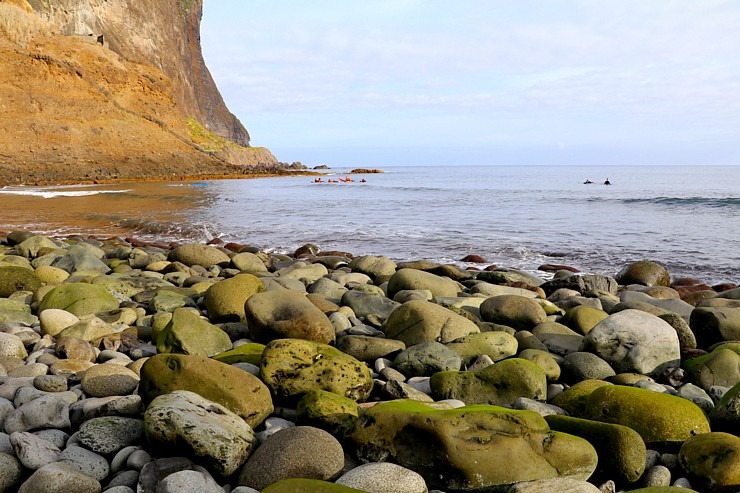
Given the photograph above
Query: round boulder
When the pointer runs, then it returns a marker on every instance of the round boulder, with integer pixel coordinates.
(645, 272)
(714, 459)
(225, 299)
(420, 321)
(197, 254)
(407, 279)
(382, 477)
(518, 312)
(79, 299)
(286, 314)
(14, 278)
(295, 452)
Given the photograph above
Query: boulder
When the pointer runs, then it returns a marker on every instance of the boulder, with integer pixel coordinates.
(661, 419)
(496, 345)
(470, 448)
(79, 260)
(556, 485)
(622, 453)
(79, 299)
(407, 279)
(369, 304)
(302, 485)
(10, 472)
(583, 318)
(715, 324)
(580, 366)
(499, 384)
(130, 286)
(635, 341)
(296, 452)
(250, 352)
(573, 399)
(196, 254)
(426, 359)
(558, 339)
(383, 477)
(109, 380)
(545, 360)
(14, 278)
(720, 367)
(89, 329)
(29, 247)
(286, 314)
(59, 477)
(11, 346)
(645, 272)
(367, 348)
(375, 267)
(109, 434)
(248, 262)
(188, 333)
(713, 459)
(326, 410)
(518, 312)
(293, 367)
(726, 413)
(303, 271)
(420, 321)
(582, 283)
(183, 422)
(235, 389)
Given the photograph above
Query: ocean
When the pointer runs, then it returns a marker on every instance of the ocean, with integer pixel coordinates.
(685, 217)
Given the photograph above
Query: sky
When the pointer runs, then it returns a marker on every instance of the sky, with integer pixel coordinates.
(481, 82)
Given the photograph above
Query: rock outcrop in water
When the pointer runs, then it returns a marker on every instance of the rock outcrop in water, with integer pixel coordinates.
(114, 89)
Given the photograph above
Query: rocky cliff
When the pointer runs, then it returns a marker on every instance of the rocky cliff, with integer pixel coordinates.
(111, 89)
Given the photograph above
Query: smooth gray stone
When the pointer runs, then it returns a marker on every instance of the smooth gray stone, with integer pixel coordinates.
(189, 482)
(86, 461)
(60, 477)
(383, 477)
(48, 411)
(33, 452)
(110, 434)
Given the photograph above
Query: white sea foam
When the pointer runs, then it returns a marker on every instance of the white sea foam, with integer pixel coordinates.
(54, 193)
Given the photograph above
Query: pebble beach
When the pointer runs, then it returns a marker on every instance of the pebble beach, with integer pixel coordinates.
(136, 366)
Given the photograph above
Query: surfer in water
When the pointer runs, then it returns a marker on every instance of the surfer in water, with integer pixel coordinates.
(587, 182)
(607, 182)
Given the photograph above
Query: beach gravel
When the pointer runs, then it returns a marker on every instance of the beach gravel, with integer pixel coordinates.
(128, 365)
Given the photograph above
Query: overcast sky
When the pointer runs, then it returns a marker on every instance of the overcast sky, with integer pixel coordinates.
(391, 82)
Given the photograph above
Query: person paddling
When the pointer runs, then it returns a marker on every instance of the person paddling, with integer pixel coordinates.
(607, 182)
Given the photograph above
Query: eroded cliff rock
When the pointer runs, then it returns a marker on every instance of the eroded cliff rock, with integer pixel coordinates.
(111, 89)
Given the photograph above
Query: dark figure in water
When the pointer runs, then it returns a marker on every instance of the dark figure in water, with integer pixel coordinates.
(607, 182)
(587, 182)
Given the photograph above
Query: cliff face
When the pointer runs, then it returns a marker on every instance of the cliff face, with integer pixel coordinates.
(162, 33)
(122, 94)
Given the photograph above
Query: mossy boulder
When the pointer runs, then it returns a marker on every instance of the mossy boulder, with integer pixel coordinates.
(302, 485)
(470, 448)
(188, 333)
(420, 321)
(713, 459)
(426, 359)
(726, 413)
(293, 367)
(663, 489)
(583, 318)
(130, 286)
(410, 279)
(645, 272)
(197, 254)
(720, 367)
(545, 360)
(225, 299)
(519, 312)
(496, 345)
(329, 411)
(499, 384)
(286, 315)
(14, 278)
(235, 389)
(622, 452)
(250, 352)
(79, 298)
(715, 324)
(660, 419)
(574, 398)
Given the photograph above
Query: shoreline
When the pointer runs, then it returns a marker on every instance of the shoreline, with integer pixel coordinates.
(278, 353)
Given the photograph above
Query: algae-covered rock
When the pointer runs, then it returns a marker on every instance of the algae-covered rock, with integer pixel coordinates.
(188, 333)
(197, 254)
(496, 345)
(574, 398)
(545, 360)
(235, 389)
(184, 423)
(79, 299)
(713, 459)
(519, 312)
(250, 352)
(14, 278)
(715, 324)
(293, 367)
(472, 447)
(622, 452)
(286, 314)
(326, 410)
(726, 413)
(302, 485)
(499, 384)
(645, 272)
(426, 359)
(583, 318)
(130, 286)
(225, 299)
(409, 279)
(658, 418)
(720, 367)
(420, 321)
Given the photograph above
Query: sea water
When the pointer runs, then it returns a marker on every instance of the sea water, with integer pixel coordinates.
(687, 218)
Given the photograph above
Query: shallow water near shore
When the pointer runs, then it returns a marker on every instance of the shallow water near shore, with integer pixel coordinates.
(515, 216)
